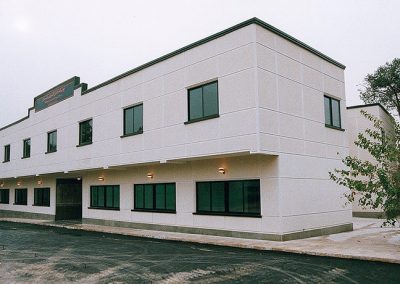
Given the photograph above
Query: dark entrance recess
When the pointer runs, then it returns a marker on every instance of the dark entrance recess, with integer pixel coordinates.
(69, 199)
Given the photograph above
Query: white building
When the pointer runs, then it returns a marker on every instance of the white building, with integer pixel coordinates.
(232, 135)
(358, 123)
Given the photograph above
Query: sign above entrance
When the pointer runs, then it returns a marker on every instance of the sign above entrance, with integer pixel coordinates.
(57, 94)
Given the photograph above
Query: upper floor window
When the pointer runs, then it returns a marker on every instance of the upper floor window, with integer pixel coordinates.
(7, 150)
(155, 197)
(4, 195)
(26, 151)
(85, 132)
(239, 197)
(133, 120)
(21, 196)
(52, 141)
(203, 102)
(332, 112)
(42, 197)
(104, 197)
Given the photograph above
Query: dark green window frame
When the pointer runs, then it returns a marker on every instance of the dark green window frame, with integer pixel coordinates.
(52, 141)
(155, 197)
(42, 196)
(229, 198)
(21, 196)
(85, 132)
(203, 102)
(332, 112)
(133, 120)
(104, 197)
(7, 153)
(4, 196)
(26, 149)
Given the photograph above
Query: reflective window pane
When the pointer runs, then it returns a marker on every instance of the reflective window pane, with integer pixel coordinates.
(236, 196)
(170, 197)
(327, 108)
(204, 196)
(210, 99)
(218, 197)
(138, 119)
(335, 113)
(148, 196)
(160, 196)
(195, 104)
(128, 121)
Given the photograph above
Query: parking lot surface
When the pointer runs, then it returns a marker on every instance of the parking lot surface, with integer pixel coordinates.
(39, 254)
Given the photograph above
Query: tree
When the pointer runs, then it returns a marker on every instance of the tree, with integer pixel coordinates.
(383, 86)
(377, 182)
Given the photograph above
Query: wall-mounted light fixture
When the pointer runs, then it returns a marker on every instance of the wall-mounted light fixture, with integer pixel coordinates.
(19, 183)
(150, 175)
(40, 182)
(221, 171)
(1, 183)
(78, 178)
(100, 178)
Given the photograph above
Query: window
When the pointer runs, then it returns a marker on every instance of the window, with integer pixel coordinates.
(21, 196)
(26, 151)
(237, 198)
(42, 197)
(155, 197)
(203, 102)
(4, 196)
(85, 132)
(133, 120)
(52, 141)
(7, 150)
(104, 197)
(332, 112)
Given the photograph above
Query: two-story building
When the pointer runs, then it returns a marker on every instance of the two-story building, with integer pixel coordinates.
(232, 135)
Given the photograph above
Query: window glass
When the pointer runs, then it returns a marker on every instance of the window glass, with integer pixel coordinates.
(335, 113)
(4, 195)
(116, 197)
(100, 196)
(128, 116)
(138, 119)
(203, 196)
(105, 196)
(52, 141)
(148, 196)
(85, 132)
(21, 196)
(27, 148)
(236, 196)
(160, 196)
(109, 196)
(139, 196)
(327, 110)
(195, 104)
(218, 197)
(210, 99)
(170, 196)
(251, 196)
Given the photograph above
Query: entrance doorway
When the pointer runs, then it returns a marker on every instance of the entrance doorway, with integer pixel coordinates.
(68, 199)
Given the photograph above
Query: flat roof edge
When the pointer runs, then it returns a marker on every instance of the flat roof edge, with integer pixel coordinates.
(215, 36)
(371, 105)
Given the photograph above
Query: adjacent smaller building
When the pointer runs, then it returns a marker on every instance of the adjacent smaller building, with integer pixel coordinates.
(358, 123)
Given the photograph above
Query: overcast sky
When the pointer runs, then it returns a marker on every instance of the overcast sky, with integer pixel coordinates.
(43, 43)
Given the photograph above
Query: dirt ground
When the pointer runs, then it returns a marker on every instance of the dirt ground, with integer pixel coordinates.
(39, 254)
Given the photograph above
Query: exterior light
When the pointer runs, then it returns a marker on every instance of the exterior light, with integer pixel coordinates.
(221, 171)
(2, 184)
(150, 175)
(78, 178)
(19, 183)
(100, 178)
(40, 182)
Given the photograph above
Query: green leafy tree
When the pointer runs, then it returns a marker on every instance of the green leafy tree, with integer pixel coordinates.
(377, 182)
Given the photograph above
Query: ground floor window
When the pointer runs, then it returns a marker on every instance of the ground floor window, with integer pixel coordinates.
(155, 197)
(104, 197)
(21, 196)
(42, 197)
(239, 197)
(4, 195)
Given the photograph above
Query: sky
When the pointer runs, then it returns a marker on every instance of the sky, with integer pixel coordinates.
(45, 42)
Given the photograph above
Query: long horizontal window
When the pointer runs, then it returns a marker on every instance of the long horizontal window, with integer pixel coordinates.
(4, 195)
(229, 197)
(42, 197)
(155, 197)
(104, 197)
(21, 196)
